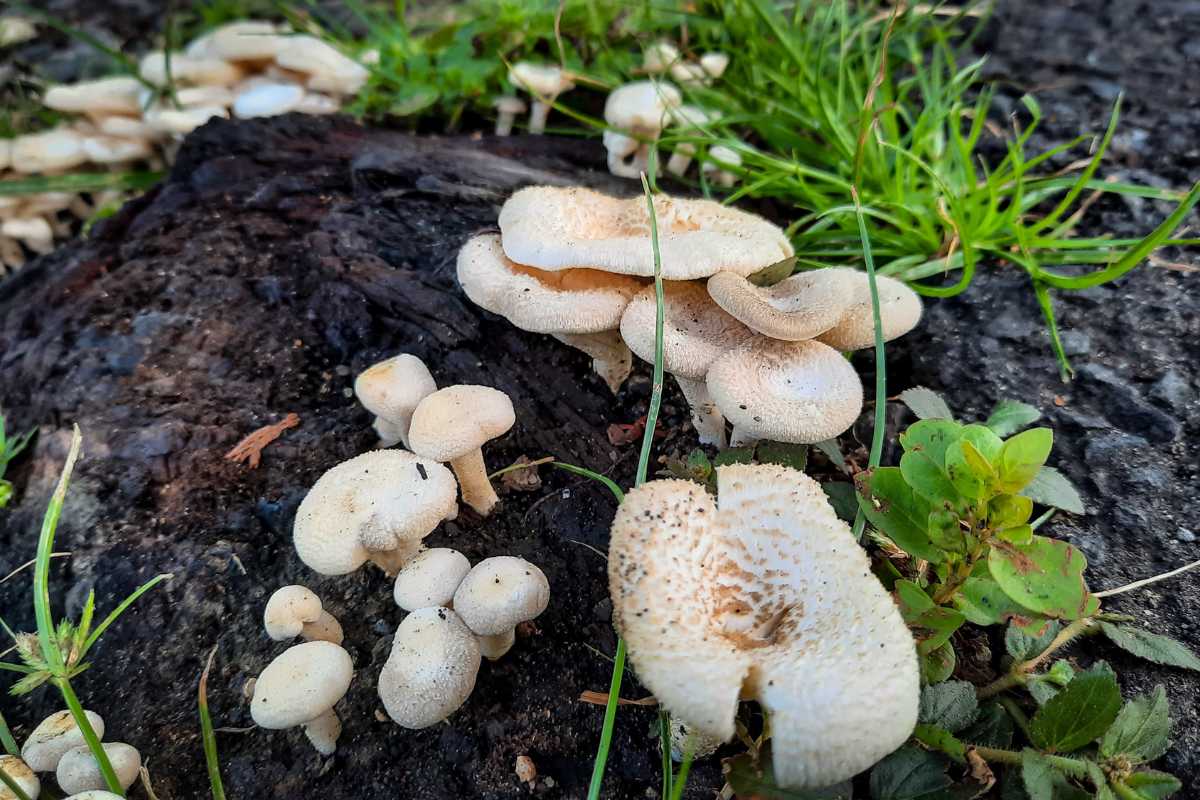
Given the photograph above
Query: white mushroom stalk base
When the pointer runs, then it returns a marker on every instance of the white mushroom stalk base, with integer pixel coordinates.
(706, 417)
(681, 159)
(323, 732)
(742, 437)
(477, 491)
(493, 647)
(390, 433)
(538, 113)
(611, 357)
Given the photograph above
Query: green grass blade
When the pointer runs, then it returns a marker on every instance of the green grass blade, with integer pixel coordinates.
(81, 182)
(664, 741)
(596, 476)
(1046, 302)
(6, 738)
(208, 734)
(684, 768)
(12, 786)
(41, 570)
(120, 609)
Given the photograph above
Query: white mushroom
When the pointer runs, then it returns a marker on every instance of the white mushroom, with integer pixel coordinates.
(245, 40)
(327, 69)
(19, 773)
(116, 150)
(545, 83)
(377, 506)
(34, 232)
(14, 30)
(717, 167)
(498, 594)
(453, 424)
(899, 311)
(801, 306)
(690, 73)
(636, 112)
(391, 390)
(658, 57)
(54, 736)
(301, 687)
(690, 119)
(317, 104)
(49, 151)
(627, 157)
(104, 96)
(267, 100)
(763, 593)
(430, 579)
(184, 69)
(507, 108)
(714, 64)
(431, 670)
(181, 120)
(296, 611)
(78, 770)
(98, 794)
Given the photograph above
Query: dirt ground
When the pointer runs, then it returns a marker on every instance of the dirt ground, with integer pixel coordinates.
(283, 257)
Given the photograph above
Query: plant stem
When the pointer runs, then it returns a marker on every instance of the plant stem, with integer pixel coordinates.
(89, 736)
(208, 735)
(6, 738)
(860, 519)
(610, 716)
(1018, 672)
(1071, 766)
(1017, 714)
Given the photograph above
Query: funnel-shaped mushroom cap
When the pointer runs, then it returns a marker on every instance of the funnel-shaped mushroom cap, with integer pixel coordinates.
(380, 502)
(431, 670)
(695, 329)
(799, 307)
(499, 593)
(550, 227)
(393, 388)
(800, 392)
(301, 684)
(763, 594)
(104, 96)
(566, 301)
(642, 107)
(899, 310)
(458, 420)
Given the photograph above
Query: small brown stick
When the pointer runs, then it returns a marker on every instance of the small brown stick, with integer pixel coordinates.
(601, 699)
(249, 449)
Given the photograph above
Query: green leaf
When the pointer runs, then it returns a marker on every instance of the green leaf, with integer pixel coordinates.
(899, 513)
(787, 455)
(1045, 576)
(699, 465)
(946, 532)
(992, 728)
(1022, 456)
(926, 478)
(1151, 646)
(983, 602)
(1142, 730)
(938, 664)
(1078, 715)
(1022, 535)
(931, 437)
(842, 497)
(1037, 774)
(1009, 511)
(1153, 785)
(908, 773)
(969, 471)
(941, 740)
(756, 781)
(926, 403)
(950, 705)
(932, 625)
(1010, 416)
(1051, 488)
(734, 455)
(985, 440)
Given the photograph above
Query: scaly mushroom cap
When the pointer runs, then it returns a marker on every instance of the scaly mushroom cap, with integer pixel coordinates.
(641, 107)
(394, 387)
(104, 96)
(499, 593)
(899, 310)
(695, 329)
(288, 609)
(799, 392)
(301, 684)
(54, 736)
(385, 500)
(763, 594)
(566, 301)
(19, 773)
(431, 670)
(457, 420)
(430, 579)
(78, 771)
(552, 228)
(799, 307)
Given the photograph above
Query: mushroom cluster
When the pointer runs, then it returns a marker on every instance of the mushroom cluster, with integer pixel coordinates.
(574, 263)
(762, 593)
(243, 69)
(57, 745)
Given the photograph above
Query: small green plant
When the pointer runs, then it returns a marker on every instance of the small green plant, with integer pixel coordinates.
(207, 735)
(9, 449)
(57, 652)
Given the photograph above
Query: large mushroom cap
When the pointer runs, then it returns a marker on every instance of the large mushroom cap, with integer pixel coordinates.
(430, 579)
(899, 311)
(696, 331)
(54, 736)
(566, 301)
(431, 670)
(301, 684)
(799, 307)
(458, 420)
(800, 392)
(499, 593)
(554, 228)
(764, 594)
(385, 500)
(642, 107)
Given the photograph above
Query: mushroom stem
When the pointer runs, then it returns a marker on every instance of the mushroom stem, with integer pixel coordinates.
(325, 628)
(538, 113)
(323, 732)
(611, 357)
(493, 647)
(706, 417)
(390, 561)
(390, 433)
(742, 437)
(477, 491)
(681, 159)
(504, 123)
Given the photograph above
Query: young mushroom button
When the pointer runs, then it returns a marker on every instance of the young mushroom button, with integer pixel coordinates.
(376, 506)
(498, 594)
(800, 307)
(296, 611)
(431, 670)
(301, 687)
(430, 579)
(453, 424)
(391, 391)
(763, 594)
(54, 736)
(78, 771)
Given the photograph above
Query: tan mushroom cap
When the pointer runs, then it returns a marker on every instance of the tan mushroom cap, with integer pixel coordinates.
(104, 96)
(899, 310)
(245, 40)
(392, 390)
(48, 151)
(498, 594)
(430, 579)
(800, 392)
(19, 773)
(542, 80)
(300, 685)
(327, 69)
(696, 331)
(203, 71)
(78, 771)
(764, 594)
(554, 228)
(431, 670)
(799, 307)
(377, 506)
(98, 794)
(54, 736)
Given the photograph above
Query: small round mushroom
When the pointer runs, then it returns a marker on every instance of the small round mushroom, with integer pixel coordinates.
(296, 611)
(327, 69)
(78, 770)
(658, 57)
(104, 96)
(431, 670)
(696, 332)
(391, 390)
(376, 506)
(301, 687)
(507, 108)
(545, 83)
(802, 306)
(14, 30)
(453, 424)
(714, 64)
(636, 114)
(49, 151)
(54, 736)
(690, 73)
(19, 773)
(498, 594)
(716, 169)
(899, 311)
(430, 579)
(579, 307)
(799, 392)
